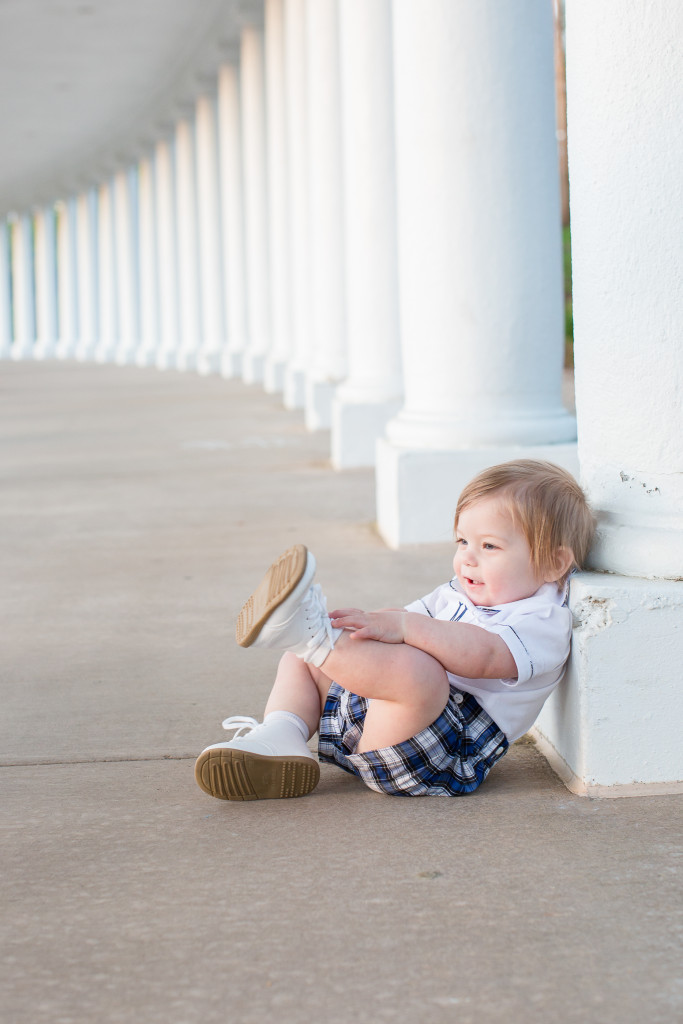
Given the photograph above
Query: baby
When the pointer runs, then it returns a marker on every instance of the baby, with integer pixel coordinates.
(422, 700)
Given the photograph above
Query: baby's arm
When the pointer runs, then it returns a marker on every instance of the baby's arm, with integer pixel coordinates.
(463, 649)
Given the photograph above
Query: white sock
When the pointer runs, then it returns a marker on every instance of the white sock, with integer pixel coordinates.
(288, 717)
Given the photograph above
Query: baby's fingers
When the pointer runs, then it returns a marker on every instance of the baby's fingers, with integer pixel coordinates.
(363, 633)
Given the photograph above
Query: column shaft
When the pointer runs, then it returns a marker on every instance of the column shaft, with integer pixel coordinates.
(67, 278)
(371, 394)
(278, 194)
(615, 725)
(166, 242)
(297, 157)
(255, 204)
(147, 266)
(46, 283)
(211, 271)
(232, 207)
(187, 252)
(481, 300)
(6, 328)
(86, 266)
(108, 333)
(126, 268)
(23, 288)
(328, 361)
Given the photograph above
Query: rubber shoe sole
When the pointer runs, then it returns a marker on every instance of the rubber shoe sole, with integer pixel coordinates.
(278, 583)
(230, 774)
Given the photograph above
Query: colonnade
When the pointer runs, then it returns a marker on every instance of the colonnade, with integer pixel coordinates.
(362, 212)
(309, 224)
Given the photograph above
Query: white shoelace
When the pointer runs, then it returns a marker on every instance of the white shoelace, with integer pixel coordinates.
(314, 606)
(240, 725)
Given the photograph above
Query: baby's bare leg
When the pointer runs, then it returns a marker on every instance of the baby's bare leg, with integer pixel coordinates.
(296, 689)
(408, 688)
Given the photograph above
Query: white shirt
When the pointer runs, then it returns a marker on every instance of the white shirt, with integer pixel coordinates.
(537, 631)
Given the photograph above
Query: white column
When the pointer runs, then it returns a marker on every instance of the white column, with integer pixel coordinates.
(23, 288)
(372, 392)
(147, 266)
(278, 194)
(86, 259)
(232, 222)
(5, 292)
(211, 271)
(297, 172)
(126, 251)
(480, 271)
(255, 205)
(106, 276)
(615, 727)
(166, 247)
(67, 278)
(188, 253)
(328, 360)
(46, 283)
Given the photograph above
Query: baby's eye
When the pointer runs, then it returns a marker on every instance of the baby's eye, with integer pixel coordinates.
(489, 547)
(461, 541)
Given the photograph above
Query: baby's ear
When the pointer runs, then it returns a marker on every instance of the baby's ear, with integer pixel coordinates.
(562, 563)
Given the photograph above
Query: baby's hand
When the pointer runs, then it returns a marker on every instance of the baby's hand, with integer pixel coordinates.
(385, 625)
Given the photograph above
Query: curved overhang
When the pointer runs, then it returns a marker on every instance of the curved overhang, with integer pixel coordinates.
(88, 86)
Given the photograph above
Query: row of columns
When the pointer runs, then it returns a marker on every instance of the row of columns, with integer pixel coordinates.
(364, 215)
(311, 225)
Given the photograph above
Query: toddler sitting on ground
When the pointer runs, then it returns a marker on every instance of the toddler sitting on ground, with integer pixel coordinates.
(421, 700)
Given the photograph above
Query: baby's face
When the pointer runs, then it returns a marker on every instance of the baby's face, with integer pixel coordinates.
(493, 559)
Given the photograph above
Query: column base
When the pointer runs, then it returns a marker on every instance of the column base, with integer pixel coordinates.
(166, 359)
(274, 375)
(85, 352)
(295, 388)
(318, 403)
(417, 490)
(66, 349)
(209, 361)
(126, 354)
(105, 354)
(145, 357)
(252, 367)
(21, 350)
(231, 365)
(356, 427)
(185, 360)
(45, 350)
(612, 726)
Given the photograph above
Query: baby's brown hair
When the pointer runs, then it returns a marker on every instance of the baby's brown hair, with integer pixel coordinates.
(545, 502)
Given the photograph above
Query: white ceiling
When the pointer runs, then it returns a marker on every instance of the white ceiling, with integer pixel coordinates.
(87, 86)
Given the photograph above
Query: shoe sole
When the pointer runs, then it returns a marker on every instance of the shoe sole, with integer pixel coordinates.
(230, 774)
(278, 583)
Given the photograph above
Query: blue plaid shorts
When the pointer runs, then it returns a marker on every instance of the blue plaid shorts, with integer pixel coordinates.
(450, 757)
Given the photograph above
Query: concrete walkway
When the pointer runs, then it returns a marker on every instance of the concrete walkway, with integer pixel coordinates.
(138, 510)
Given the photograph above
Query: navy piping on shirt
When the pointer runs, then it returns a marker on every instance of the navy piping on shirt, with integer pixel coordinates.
(524, 646)
(459, 612)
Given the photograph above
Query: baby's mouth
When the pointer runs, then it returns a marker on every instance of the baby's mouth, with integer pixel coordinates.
(472, 583)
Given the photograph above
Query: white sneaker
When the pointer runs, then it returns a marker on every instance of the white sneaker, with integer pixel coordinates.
(287, 612)
(259, 763)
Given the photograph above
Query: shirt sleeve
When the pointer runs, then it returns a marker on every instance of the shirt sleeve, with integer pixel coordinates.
(538, 641)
